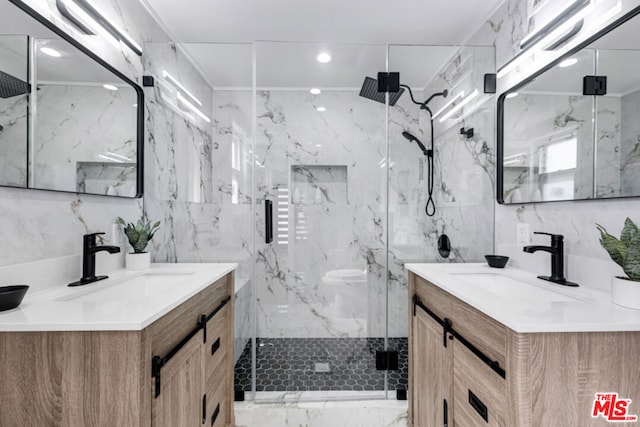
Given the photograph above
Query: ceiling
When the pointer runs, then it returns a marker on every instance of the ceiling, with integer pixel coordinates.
(343, 21)
(354, 32)
(294, 65)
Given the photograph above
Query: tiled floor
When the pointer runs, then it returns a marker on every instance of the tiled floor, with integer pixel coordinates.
(300, 364)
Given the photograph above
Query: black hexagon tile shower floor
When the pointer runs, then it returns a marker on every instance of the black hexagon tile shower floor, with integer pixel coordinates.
(320, 364)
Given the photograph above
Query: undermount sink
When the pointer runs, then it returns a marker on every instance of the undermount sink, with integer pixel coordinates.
(130, 289)
(505, 286)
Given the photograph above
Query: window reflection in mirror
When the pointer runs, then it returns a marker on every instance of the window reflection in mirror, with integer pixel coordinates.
(548, 129)
(559, 144)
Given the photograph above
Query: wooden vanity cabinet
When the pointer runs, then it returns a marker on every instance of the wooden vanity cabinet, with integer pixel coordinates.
(491, 375)
(450, 385)
(108, 378)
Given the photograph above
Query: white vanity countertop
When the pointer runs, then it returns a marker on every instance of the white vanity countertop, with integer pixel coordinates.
(524, 303)
(127, 300)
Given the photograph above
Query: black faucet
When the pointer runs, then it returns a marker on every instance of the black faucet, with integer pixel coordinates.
(557, 258)
(89, 249)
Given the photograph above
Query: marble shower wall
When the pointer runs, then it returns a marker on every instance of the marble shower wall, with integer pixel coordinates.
(334, 218)
(586, 263)
(38, 224)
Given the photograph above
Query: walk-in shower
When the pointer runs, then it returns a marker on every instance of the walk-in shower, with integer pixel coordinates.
(321, 291)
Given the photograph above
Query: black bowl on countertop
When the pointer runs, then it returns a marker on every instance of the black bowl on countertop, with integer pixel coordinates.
(496, 261)
(11, 296)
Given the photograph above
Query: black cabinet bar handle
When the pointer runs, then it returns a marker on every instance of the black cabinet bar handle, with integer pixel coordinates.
(215, 346)
(446, 413)
(215, 414)
(480, 407)
(204, 409)
(268, 221)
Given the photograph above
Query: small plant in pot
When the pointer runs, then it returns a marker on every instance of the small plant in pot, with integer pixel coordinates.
(139, 236)
(625, 252)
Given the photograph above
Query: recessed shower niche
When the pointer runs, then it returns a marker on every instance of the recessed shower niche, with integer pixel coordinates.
(319, 184)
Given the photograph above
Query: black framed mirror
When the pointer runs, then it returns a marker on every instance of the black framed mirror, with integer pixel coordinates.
(69, 121)
(571, 131)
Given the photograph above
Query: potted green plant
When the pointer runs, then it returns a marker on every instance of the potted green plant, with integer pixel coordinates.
(139, 236)
(625, 252)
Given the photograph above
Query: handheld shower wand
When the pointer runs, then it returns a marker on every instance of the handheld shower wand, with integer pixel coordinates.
(412, 138)
(430, 208)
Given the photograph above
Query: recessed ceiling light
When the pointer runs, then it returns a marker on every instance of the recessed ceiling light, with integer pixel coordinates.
(321, 109)
(315, 91)
(110, 87)
(324, 57)
(50, 52)
(512, 95)
(568, 62)
(135, 105)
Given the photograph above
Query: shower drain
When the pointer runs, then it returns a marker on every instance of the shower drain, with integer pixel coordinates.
(322, 367)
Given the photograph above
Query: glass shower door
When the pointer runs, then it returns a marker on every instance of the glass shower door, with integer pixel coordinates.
(320, 210)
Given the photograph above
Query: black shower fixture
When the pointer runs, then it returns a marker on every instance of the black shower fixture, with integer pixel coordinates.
(370, 91)
(468, 132)
(375, 90)
(412, 138)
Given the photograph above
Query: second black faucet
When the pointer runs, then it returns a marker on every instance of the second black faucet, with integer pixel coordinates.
(557, 258)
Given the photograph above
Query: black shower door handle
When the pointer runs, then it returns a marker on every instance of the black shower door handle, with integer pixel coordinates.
(268, 221)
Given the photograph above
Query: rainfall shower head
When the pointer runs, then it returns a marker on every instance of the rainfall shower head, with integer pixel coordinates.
(369, 90)
(412, 138)
(12, 86)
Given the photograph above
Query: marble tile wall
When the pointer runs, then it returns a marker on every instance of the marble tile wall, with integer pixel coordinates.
(323, 414)
(587, 262)
(178, 160)
(233, 162)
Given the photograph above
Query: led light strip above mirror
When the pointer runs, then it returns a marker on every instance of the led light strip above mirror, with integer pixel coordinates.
(86, 17)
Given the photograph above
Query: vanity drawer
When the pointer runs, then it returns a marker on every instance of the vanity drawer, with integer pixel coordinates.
(217, 345)
(166, 332)
(488, 335)
(217, 398)
(479, 391)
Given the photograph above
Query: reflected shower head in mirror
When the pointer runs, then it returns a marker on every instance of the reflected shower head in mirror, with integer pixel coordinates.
(412, 138)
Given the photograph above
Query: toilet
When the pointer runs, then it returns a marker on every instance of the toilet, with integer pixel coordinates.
(349, 287)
